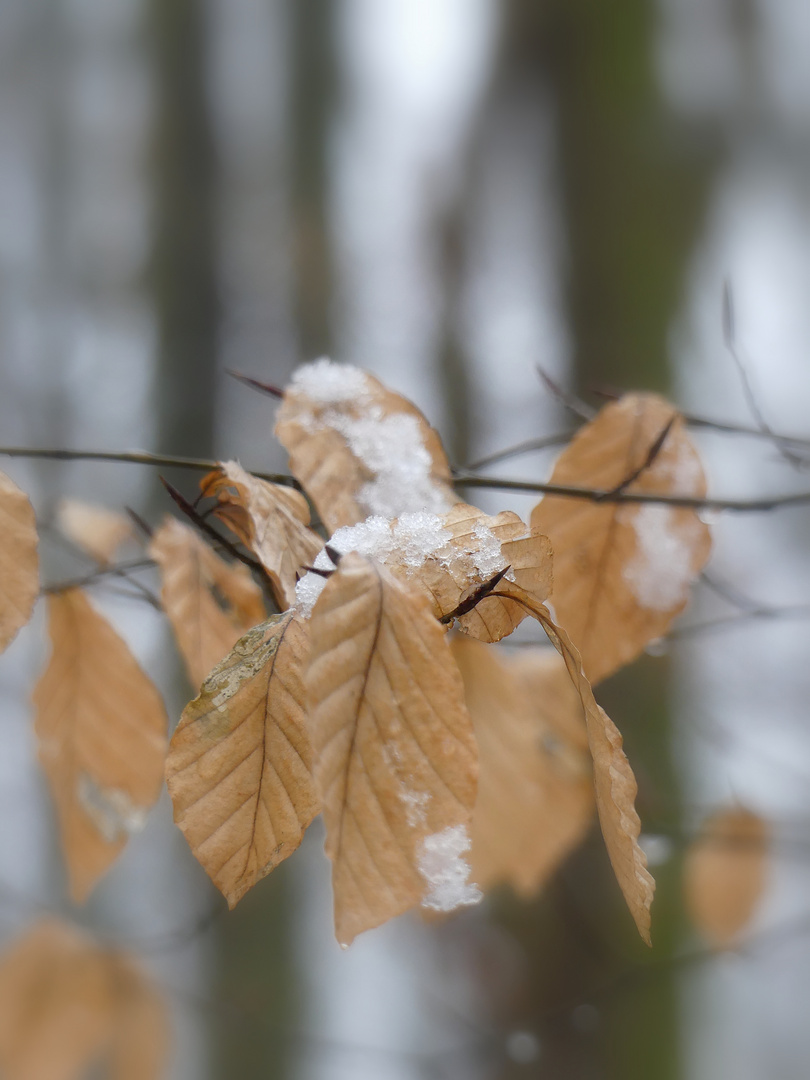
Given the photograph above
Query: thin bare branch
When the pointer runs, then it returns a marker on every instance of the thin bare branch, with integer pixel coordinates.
(118, 570)
(255, 384)
(573, 403)
(649, 460)
(525, 447)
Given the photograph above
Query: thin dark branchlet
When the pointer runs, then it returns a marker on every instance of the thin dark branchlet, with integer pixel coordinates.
(479, 593)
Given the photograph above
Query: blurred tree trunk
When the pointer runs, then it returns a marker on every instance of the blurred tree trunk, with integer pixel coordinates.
(633, 199)
(255, 972)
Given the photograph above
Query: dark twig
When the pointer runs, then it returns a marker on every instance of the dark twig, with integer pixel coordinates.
(255, 384)
(574, 404)
(730, 339)
(648, 461)
(142, 525)
(725, 622)
(204, 527)
(479, 593)
(524, 447)
(118, 570)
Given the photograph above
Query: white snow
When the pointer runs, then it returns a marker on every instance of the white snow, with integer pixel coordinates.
(415, 803)
(446, 872)
(325, 383)
(488, 559)
(111, 810)
(409, 540)
(389, 445)
(660, 572)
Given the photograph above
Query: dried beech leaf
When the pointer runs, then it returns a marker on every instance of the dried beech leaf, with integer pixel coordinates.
(19, 563)
(270, 520)
(613, 779)
(66, 1004)
(622, 571)
(94, 529)
(360, 449)
(725, 871)
(394, 752)
(479, 547)
(210, 603)
(239, 765)
(101, 727)
(535, 793)
(56, 1005)
(140, 1042)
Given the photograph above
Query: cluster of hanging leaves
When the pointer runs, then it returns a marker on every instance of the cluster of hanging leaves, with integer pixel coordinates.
(441, 764)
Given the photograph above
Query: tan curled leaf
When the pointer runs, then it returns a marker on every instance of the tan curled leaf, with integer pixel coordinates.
(270, 520)
(140, 1040)
(101, 728)
(614, 783)
(239, 765)
(95, 529)
(358, 448)
(535, 794)
(56, 1004)
(479, 547)
(394, 754)
(622, 571)
(210, 603)
(724, 874)
(19, 562)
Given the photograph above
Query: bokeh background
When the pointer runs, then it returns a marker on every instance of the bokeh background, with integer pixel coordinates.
(447, 193)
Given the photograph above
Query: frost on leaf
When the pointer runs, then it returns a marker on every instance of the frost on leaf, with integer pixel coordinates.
(269, 519)
(622, 571)
(210, 603)
(101, 728)
(239, 764)
(394, 755)
(448, 556)
(66, 1004)
(445, 871)
(360, 449)
(614, 783)
(724, 874)
(535, 792)
(95, 529)
(19, 564)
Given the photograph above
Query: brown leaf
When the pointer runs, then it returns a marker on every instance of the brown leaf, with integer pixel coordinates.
(140, 1042)
(394, 753)
(270, 520)
(613, 779)
(239, 762)
(210, 603)
(480, 546)
(535, 795)
(19, 563)
(56, 1005)
(94, 529)
(66, 1003)
(101, 727)
(360, 449)
(622, 571)
(725, 871)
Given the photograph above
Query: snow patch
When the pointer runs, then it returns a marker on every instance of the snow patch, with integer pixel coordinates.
(487, 559)
(660, 572)
(446, 872)
(111, 810)
(415, 803)
(389, 445)
(325, 383)
(409, 540)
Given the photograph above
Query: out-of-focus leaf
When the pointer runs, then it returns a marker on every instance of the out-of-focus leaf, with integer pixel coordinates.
(358, 448)
(270, 520)
(614, 783)
(67, 1004)
(101, 728)
(725, 872)
(95, 529)
(210, 603)
(394, 754)
(239, 765)
(19, 562)
(535, 793)
(622, 571)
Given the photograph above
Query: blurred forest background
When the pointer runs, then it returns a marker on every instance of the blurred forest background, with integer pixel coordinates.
(447, 193)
